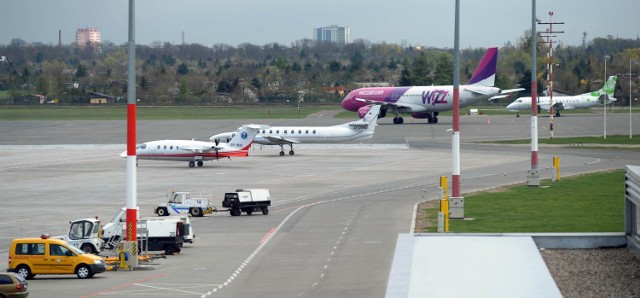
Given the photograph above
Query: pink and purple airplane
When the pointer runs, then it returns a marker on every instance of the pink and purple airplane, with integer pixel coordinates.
(425, 102)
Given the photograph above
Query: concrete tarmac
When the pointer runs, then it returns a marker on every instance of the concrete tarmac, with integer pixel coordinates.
(337, 209)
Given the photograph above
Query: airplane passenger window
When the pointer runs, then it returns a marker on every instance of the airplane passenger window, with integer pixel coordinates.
(171, 147)
(263, 131)
(285, 131)
(158, 146)
(314, 131)
(278, 131)
(165, 146)
(299, 131)
(307, 131)
(270, 131)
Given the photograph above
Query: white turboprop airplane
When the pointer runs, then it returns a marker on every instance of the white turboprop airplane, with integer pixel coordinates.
(197, 151)
(289, 135)
(425, 102)
(582, 101)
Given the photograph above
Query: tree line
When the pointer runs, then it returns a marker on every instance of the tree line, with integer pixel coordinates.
(194, 74)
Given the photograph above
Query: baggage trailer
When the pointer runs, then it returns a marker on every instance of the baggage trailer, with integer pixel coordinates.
(247, 200)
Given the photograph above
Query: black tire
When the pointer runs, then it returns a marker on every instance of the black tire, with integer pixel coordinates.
(249, 211)
(291, 152)
(25, 272)
(265, 210)
(88, 249)
(195, 212)
(200, 163)
(168, 250)
(235, 212)
(83, 271)
(192, 164)
(281, 153)
(162, 212)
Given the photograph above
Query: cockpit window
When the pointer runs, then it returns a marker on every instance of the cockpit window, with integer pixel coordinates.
(143, 146)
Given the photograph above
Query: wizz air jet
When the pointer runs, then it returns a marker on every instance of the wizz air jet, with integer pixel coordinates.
(582, 101)
(196, 152)
(425, 102)
(288, 135)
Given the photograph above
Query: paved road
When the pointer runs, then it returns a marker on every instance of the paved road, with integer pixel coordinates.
(337, 208)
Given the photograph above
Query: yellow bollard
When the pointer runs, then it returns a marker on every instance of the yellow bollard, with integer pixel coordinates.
(444, 202)
(443, 185)
(556, 166)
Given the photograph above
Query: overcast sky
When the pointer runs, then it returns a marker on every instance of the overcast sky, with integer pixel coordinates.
(483, 24)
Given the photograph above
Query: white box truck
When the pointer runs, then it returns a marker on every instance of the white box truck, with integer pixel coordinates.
(160, 233)
(248, 201)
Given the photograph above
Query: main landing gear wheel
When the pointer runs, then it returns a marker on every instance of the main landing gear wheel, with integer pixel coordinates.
(291, 152)
(200, 163)
(398, 120)
(192, 164)
(281, 153)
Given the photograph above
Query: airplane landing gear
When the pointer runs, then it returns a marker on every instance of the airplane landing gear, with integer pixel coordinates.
(192, 164)
(200, 163)
(282, 149)
(432, 118)
(398, 120)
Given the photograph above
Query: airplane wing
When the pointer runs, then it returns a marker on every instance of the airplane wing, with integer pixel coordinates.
(199, 148)
(400, 106)
(279, 140)
(506, 93)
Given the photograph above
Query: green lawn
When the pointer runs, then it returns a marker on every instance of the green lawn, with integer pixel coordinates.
(585, 203)
(157, 113)
(611, 139)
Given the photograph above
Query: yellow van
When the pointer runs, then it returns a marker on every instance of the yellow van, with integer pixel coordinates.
(44, 255)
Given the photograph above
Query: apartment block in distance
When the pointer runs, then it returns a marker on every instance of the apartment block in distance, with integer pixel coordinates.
(85, 36)
(334, 34)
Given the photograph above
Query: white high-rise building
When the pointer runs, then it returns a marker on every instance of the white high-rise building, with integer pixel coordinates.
(334, 33)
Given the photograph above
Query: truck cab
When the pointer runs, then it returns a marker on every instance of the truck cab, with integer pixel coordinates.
(181, 202)
(85, 235)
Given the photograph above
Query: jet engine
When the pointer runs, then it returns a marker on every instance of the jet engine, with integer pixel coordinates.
(363, 111)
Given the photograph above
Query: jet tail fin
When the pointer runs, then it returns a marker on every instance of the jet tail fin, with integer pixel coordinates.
(368, 122)
(244, 136)
(485, 73)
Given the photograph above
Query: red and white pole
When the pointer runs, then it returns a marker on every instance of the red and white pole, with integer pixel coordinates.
(533, 177)
(455, 139)
(132, 213)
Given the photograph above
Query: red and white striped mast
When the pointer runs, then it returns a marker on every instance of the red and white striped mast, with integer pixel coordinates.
(533, 176)
(131, 230)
